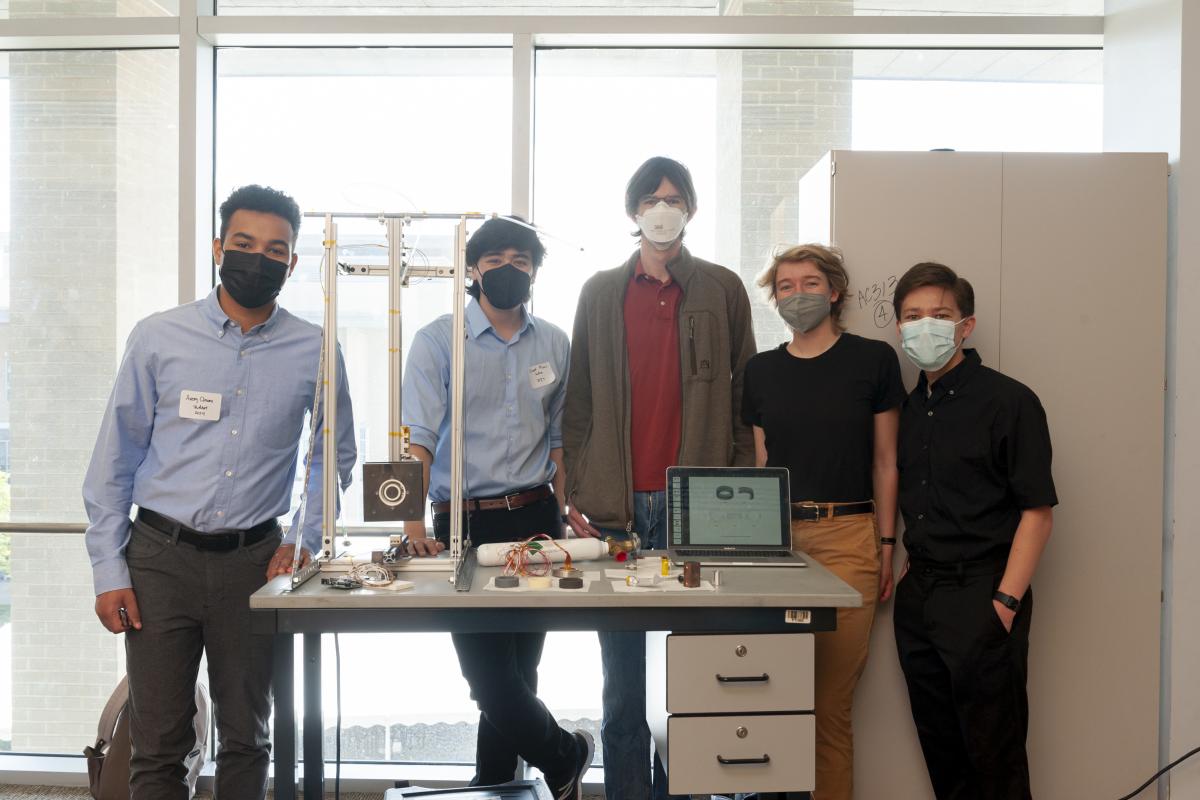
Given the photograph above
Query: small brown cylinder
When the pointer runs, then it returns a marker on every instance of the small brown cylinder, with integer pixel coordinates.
(691, 574)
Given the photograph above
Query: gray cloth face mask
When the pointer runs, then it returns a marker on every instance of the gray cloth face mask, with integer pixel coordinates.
(803, 312)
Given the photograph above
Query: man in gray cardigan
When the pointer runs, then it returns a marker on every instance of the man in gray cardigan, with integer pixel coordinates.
(657, 355)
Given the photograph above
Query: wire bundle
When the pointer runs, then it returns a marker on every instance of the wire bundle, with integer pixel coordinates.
(371, 575)
(528, 557)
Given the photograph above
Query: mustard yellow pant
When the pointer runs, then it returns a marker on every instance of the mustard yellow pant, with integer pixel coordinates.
(849, 548)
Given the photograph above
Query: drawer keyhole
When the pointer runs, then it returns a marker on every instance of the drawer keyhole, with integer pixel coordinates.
(740, 650)
(742, 733)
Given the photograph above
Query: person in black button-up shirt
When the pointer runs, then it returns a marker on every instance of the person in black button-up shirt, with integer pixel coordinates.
(976, 495)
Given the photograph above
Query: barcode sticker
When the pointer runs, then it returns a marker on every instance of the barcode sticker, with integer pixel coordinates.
(796, 616)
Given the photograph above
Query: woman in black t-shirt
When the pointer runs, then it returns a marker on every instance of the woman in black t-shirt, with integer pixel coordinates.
(826, 405)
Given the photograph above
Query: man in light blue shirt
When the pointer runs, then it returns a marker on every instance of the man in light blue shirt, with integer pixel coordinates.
(516, 374)
(202, 432)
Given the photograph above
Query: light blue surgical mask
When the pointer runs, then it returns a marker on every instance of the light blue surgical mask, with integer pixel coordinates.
(929, 342)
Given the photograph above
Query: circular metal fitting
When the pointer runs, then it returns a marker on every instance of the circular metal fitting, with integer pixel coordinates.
(392, 492)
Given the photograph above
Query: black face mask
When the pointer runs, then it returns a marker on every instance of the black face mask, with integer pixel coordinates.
(252, 279)
(506, 287)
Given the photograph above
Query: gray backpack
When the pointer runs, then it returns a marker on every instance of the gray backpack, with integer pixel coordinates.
(108, 758)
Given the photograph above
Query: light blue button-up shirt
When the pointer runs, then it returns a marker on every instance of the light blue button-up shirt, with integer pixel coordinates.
(230, 473)
(512, 403)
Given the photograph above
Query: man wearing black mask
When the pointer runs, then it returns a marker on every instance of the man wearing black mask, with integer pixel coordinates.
(512, 412)
(201, 433)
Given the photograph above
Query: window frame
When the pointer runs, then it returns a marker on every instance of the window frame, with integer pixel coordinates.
(197, 31)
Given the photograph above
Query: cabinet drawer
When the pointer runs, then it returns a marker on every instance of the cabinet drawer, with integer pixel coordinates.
(741, 753)
(731, 673)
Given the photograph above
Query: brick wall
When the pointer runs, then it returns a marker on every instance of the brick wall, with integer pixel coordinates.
(779, 111)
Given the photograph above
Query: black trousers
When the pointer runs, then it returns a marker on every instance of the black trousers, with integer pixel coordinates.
(966, 682)
(192, 602)
(501, 669)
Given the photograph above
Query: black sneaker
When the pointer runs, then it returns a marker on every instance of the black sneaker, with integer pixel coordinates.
(572, 787)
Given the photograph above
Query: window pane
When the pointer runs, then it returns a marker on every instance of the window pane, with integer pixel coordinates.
(980, 7)
(49, 9)
(749, 124)
(978, 100)
(668, 7)
(88, 221)
(416, 130)
(469, 7)
(422, 713)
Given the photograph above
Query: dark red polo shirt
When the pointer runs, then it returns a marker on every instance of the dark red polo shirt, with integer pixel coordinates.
(652, 341)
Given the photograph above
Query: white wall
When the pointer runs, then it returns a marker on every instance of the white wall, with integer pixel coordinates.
(1152, 102)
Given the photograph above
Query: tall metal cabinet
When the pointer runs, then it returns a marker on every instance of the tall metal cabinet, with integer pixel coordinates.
(1067, 254)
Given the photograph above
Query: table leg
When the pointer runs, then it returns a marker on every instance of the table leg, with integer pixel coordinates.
(284, 691)
(314, 728)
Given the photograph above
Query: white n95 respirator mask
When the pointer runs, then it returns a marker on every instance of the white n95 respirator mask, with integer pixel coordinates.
(662, 225)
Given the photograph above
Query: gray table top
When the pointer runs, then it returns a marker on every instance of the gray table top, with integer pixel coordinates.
(741, 587)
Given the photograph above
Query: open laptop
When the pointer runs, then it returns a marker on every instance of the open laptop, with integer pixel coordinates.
(730, 517)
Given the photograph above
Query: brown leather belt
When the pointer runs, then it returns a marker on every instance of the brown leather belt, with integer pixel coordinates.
(509, 502)
(809, 511)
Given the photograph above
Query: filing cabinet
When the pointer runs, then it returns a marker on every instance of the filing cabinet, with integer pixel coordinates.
(732, 712)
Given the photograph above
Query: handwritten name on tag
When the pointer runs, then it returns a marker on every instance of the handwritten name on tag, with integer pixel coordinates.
(541, 375)
(199, 405)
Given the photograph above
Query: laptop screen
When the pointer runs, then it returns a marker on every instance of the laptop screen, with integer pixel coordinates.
(728, 507)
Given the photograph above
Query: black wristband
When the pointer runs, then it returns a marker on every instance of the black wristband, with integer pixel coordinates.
(1007, 600)
(565, 519)
(887, 540)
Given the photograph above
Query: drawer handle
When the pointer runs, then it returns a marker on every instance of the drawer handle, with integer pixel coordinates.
(766, 759)
(743, 678)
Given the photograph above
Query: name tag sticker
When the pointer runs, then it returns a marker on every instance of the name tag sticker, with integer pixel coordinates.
(199, 405)
(541, 375)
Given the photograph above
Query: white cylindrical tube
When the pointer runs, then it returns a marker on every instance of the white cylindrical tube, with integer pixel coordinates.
(492, 555)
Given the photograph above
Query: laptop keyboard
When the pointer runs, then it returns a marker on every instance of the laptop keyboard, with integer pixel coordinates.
(693, 552)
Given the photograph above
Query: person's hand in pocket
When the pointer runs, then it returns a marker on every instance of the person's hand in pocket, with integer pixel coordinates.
(1006, 615)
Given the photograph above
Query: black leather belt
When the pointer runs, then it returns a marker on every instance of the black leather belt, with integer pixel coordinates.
(509, 502)
(958, 569)
(225, 540)
(808, 511)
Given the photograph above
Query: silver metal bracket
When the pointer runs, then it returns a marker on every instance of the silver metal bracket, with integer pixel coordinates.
(464, 571)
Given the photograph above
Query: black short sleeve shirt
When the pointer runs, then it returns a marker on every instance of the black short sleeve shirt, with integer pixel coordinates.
(818, 414)
(973, 455)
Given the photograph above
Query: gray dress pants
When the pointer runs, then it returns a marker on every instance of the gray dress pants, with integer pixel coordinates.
(195, 601)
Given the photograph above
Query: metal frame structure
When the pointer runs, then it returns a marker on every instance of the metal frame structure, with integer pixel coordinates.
(398, 272)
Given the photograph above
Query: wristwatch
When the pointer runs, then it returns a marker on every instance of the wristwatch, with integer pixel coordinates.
(1007, 600)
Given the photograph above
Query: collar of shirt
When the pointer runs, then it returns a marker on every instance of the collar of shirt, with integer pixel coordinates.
(640, 274)
(211, 308)
(952, 380)
(680, 268)
(478, 323)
